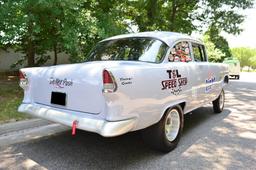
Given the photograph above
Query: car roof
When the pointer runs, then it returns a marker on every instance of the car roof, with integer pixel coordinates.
(168, 37)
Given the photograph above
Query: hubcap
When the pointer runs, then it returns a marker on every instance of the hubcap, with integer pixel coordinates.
(172, 125)
(221, 100)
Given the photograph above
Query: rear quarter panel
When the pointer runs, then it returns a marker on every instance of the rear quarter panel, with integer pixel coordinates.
(219, 71)
(141, 92)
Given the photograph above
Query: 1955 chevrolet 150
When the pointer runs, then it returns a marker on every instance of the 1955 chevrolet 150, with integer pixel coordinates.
(130, 82)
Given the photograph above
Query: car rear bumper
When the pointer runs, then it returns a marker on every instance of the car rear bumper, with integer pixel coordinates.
(65, 117)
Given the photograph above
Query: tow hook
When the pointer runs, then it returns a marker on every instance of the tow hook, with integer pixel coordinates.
(74, 125)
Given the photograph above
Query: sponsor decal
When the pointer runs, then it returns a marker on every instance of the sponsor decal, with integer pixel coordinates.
(60, 83)
(126, 81)
(175, 82)
(209, 81)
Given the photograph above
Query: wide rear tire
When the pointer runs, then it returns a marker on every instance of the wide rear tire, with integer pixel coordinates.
(165, 135)
(218, 104)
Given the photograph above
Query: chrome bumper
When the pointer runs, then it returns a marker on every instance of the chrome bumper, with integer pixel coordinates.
(66, 117)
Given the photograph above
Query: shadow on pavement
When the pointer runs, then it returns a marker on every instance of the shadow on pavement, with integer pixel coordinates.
(95, 152)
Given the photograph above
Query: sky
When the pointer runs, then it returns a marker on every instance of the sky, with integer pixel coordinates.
(248, 37)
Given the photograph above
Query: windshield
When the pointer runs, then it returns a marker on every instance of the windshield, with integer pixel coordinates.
(129, 49)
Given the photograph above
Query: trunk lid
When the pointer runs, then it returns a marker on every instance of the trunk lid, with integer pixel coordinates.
(81, 85)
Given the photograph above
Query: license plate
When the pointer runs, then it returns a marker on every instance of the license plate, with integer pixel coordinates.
(58, 98)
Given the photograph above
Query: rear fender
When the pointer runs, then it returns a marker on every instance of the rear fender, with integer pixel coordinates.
(182, 103)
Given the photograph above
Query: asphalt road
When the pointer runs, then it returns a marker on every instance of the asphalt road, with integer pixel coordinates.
(210, 141)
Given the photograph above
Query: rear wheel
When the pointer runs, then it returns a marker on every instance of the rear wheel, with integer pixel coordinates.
(238, 77)
(218, 104)
(165, 135)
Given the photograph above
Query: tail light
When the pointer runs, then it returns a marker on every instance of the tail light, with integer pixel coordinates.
(21, 76)
(109, 84)
(23, 80)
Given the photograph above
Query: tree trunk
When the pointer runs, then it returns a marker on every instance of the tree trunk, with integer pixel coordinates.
(31, 56)
(151, 12)
(173, 15)
(30, 51)
(55, 54)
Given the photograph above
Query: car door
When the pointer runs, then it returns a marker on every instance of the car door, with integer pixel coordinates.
(202, 76)
(178, 68)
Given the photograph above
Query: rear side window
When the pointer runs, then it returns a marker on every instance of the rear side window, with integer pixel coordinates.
(180, 52)
(199, 53)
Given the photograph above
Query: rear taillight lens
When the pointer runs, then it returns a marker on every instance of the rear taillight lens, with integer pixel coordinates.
(23, 80)
(21, 76)
(109, 84)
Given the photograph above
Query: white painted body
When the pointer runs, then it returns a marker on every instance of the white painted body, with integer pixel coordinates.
(139, 100)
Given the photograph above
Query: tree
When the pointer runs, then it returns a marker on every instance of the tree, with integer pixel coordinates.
(245, 55)
(222, 16)
(170, 15)
(219, 42)
(97, 20)
(196, 15)
(253, 61)
(188, 16)
(214, 54)
(37, 27)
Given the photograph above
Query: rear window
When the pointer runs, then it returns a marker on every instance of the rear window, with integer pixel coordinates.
(129, 49)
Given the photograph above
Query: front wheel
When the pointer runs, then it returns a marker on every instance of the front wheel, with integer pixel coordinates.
(165, 135)
(218, 104)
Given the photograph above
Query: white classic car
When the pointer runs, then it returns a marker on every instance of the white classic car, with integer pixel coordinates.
(130, 82)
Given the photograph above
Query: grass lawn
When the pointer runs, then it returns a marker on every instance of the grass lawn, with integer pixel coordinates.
(10, 98)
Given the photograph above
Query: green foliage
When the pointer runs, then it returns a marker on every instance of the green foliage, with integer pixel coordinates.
(162, 15)
(223, 14)
(214, 54)
(96, 21)
(253, 60)
(35, 27)
(10, 98)
(246, 56)
(219, 42)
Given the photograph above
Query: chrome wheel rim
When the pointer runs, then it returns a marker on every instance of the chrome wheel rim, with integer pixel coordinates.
(221, 100)
(172, 125)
